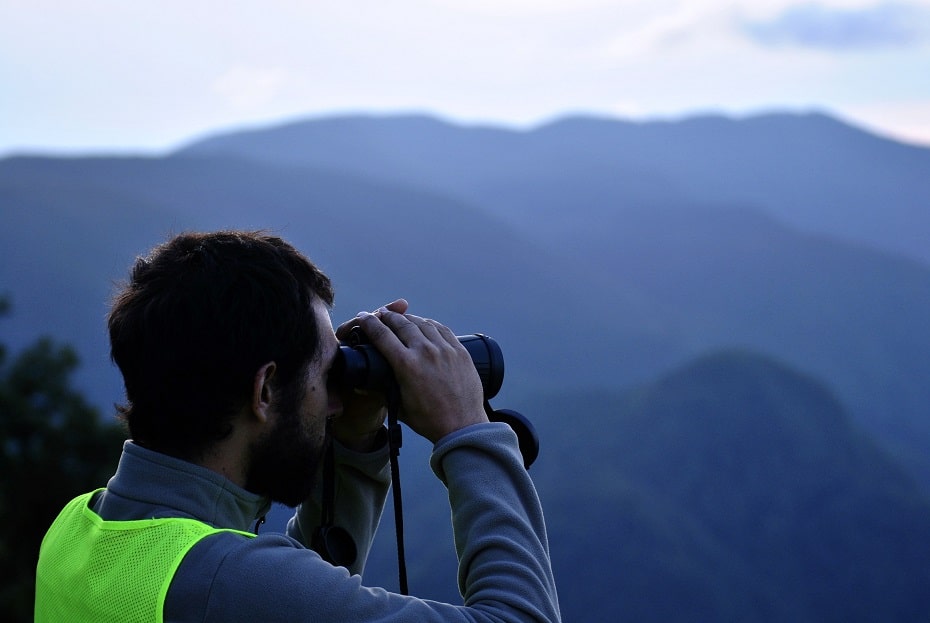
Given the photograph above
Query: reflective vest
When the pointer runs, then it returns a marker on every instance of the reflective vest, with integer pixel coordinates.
(97, 571)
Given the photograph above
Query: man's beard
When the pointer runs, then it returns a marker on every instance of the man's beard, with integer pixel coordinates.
(284, 463)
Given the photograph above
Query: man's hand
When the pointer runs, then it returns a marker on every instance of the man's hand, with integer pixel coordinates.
(439, 387)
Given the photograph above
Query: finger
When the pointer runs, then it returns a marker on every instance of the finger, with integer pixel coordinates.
(446, 333)
(398, 305)
(406, 327)
(440, 334)
(342, 331)
(428, 326)
(382, 335)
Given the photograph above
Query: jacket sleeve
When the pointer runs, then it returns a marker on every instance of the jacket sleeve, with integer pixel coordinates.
(498, 524)
(505, 574)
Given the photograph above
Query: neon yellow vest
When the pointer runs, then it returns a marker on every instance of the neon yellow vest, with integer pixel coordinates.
(97, 571)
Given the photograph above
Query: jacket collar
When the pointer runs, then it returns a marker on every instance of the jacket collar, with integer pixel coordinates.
(165, 486)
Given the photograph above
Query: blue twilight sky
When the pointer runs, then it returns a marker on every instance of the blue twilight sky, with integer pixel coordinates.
(126, 75)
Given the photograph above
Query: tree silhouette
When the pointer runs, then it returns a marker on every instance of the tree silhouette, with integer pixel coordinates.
(53, 446)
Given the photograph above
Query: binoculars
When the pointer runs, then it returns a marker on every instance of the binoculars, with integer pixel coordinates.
(359, 365)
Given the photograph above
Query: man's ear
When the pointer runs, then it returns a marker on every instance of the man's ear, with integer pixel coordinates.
(262, 392)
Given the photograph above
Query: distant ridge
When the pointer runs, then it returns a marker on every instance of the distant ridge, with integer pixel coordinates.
(810, 170)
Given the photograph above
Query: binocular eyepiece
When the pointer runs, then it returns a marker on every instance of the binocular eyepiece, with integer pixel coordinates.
(359, 365)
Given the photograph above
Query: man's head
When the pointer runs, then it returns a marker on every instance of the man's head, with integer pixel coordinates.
(198, 319)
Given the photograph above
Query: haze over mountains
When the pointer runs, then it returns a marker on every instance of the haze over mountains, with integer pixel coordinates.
(783, 479)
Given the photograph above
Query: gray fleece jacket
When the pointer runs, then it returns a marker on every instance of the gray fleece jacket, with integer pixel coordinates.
(500, 537)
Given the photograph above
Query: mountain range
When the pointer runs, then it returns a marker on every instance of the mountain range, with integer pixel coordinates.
(719, 326)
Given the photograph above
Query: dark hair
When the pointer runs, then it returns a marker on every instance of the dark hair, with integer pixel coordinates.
(197, 319)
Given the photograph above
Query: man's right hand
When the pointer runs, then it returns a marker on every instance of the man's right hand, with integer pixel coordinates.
(439, 387)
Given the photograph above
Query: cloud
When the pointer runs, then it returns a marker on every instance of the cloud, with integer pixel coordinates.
(887, 25)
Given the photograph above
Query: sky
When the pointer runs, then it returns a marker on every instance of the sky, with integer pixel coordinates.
(130, 76)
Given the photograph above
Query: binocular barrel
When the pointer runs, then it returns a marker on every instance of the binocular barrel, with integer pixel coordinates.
(359, 365)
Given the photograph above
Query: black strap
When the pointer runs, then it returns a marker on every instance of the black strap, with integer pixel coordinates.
(395, 441)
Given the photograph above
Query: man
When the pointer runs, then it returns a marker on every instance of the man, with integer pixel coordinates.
(225, 346)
